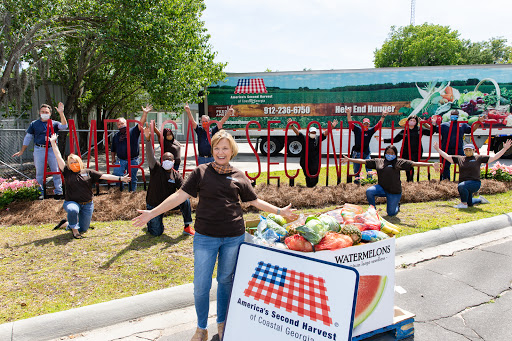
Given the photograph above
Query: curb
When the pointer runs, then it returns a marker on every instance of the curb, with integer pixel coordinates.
(79, 320)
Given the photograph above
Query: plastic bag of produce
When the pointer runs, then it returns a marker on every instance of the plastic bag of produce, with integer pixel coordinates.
(369, 219)
(351, 208)
(348, 216)
(336, 214)
(277, 218)
(334, 241)
(270, 224)
(314, 230)
(330, 221)
(373, 236)
(298, 243)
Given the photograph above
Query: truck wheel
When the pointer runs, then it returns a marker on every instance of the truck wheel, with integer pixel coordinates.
(508, 153)
(275, 146)
(294, 147)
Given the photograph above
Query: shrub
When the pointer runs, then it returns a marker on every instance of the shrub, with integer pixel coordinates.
(497, 172)
(13, 189)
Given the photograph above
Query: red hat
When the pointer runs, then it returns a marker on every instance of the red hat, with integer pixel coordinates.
(366, 120)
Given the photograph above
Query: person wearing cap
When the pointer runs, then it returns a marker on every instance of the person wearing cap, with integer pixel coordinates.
(388, 177)
(469, 172)
(171, 145)
(455, 139)
(363, 136)
(203, 144)
(412, 138)
(314, 140)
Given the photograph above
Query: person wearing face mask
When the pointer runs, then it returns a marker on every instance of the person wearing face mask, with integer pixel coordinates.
(119, 147)
(164, 180)
(388, 173)
(78, 180)
(455, 139)
(469, 172)
(313, 141)
(203, 144)
(412, 137)
(171, 145)
(363, 136)
(37, 131)
(219, 225)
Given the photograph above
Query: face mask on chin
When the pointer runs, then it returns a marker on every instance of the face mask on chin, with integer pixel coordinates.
(167, 164)
(45, 117)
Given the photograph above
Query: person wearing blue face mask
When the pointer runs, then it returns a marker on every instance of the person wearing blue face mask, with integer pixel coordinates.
(388, 177)
(164, 180)
(456, 140)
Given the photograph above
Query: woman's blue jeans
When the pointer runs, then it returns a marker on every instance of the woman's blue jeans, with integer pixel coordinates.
(79, 216)
(206, 250)
(466, 190)
(392, 200)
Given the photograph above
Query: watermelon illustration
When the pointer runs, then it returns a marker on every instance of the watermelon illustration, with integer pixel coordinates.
(368, 296)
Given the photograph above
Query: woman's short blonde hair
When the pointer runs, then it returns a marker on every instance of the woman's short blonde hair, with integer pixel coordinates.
(222, 134)
(76, 158)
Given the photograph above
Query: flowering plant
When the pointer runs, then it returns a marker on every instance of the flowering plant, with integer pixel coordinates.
(366, 181)
(498, 172)
(13, 189)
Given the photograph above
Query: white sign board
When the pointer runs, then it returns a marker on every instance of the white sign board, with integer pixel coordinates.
(278, 295)
(375, 263)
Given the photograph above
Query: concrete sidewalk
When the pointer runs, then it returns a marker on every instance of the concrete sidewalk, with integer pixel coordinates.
(169, 314)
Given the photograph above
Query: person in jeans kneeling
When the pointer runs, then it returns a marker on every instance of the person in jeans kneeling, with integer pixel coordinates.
(388, 173)
(164, 180)
(78, 182)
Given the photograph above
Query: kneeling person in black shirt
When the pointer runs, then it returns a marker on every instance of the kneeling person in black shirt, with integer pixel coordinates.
(163, 182)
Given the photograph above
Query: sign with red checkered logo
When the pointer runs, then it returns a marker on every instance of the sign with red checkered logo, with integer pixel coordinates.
(278, 295)
(250, 86)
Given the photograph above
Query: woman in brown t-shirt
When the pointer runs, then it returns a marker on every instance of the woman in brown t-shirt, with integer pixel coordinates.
(469, 172)
(78, 183)
(219, 224)
(388, 177)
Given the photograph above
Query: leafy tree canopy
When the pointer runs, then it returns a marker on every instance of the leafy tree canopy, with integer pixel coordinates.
(429, 45)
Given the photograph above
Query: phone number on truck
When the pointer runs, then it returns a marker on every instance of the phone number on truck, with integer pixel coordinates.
(287, 110)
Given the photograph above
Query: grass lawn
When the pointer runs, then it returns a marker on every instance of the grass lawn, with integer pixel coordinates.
(44, 271)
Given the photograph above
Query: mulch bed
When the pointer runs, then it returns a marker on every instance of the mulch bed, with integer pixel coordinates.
(115, 205)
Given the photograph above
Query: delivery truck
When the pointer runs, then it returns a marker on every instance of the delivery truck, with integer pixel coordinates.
(271, 98)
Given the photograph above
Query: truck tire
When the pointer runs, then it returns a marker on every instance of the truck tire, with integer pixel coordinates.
(275, 146)
(294, 147)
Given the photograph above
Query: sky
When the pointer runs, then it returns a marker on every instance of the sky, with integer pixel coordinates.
(293, 35)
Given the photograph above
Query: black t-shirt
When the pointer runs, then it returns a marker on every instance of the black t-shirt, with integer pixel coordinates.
(313, 152)
(162, 184)
(219, 212)
(388, 173)
(79, 185)
(469, 167)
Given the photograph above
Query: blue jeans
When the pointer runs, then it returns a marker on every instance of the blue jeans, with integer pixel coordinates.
(202, 160)
(392, 200)
(357, 166)
(39, 153)
(156, 225)
(123, 169)
(466, 190)
(79, 216)
(206, 250)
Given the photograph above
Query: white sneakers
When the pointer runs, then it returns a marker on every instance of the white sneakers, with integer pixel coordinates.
(483, 200)
(461, 205)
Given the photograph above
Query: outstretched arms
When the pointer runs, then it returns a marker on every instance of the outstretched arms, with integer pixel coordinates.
(56, 151)
(190, 117)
